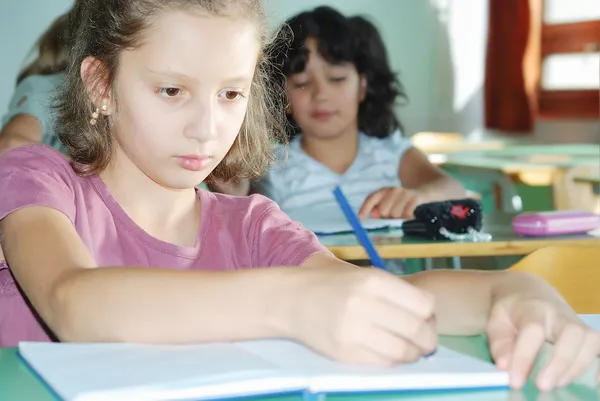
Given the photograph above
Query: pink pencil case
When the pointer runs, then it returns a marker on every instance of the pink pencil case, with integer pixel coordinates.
(555, 223)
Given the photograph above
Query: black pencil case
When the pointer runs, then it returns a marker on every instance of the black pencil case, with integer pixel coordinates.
(457, 220)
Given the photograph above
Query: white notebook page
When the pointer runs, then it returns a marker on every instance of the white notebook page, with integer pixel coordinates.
(94, 372)
(446, 369)
(332, 220)
(97, 372)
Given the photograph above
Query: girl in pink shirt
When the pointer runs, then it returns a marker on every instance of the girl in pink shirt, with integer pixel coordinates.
(118, 245)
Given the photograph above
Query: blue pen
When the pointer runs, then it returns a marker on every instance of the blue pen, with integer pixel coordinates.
(359, 230)
(362, 236)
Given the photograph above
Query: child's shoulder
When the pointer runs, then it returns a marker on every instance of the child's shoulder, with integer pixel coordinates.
(36, 160)
(238, 207)
(35, 155)
(37, 175)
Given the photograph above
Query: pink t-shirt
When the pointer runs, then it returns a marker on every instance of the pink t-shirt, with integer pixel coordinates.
(235, 232)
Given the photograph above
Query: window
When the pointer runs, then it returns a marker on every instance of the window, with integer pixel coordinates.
(569, 73)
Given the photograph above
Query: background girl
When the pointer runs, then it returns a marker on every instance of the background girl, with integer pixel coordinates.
(343, 126)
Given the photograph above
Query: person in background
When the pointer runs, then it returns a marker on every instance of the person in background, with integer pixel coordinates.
(343, 127)
(30, 116)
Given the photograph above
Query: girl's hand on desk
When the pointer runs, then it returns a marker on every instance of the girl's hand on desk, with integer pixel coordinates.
(517, 329)
(391, 203)
(364, 316)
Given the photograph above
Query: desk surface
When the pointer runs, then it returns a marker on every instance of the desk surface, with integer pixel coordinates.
(572, 149)
(392, 245)
(518, 158)
(593, 177)
(18, 383)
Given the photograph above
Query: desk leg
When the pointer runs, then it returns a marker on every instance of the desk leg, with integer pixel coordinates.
(456, 263)
(506, 197)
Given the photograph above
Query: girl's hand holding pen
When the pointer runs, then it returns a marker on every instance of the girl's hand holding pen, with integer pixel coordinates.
(364, 316)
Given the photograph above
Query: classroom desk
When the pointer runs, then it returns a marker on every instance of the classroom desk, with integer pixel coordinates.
(567, 149)
(392, 245)
(541, 152)
(589, 177)
(554, 165)
(18, 383)
(458, 146)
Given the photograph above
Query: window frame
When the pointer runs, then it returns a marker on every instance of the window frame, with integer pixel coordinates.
(562, 38)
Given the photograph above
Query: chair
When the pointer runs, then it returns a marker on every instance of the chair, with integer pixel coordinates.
(573, 271)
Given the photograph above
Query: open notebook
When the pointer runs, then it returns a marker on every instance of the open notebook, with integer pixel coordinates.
(127, 372)
(331, 220)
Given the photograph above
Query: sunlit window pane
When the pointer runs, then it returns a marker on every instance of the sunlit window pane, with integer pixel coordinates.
(563, 11)
(571, 71)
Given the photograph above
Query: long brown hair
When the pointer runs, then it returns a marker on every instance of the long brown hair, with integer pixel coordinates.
(103, 29)
(53, 49)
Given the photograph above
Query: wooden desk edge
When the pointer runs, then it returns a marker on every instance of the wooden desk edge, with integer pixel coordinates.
(509, 168)
(461, 249)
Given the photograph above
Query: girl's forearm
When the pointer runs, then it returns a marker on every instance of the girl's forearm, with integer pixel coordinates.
(126, 304)
(468, 313)
(525, 285)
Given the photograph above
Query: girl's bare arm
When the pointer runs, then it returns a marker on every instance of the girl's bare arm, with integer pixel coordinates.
(81, 302)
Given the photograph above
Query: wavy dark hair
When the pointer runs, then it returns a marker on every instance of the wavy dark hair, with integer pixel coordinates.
(341, 39)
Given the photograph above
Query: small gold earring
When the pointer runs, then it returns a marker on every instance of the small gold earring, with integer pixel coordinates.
(94, 118)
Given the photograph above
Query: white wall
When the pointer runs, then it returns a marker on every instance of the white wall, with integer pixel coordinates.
(409, 27)
(21, 23)
(460, 46)
(437, 46)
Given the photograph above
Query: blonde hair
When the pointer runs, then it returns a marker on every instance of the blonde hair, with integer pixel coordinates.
(52, 48)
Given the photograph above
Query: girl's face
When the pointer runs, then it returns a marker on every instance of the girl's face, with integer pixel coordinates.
(182, 96)
(324, 98)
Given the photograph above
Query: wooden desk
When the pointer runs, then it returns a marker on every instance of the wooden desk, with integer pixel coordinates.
(554, 165)
(449, 142)
(18, 383)
(591, 177)
(392, 245)
(525, 156)
(566, 149)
